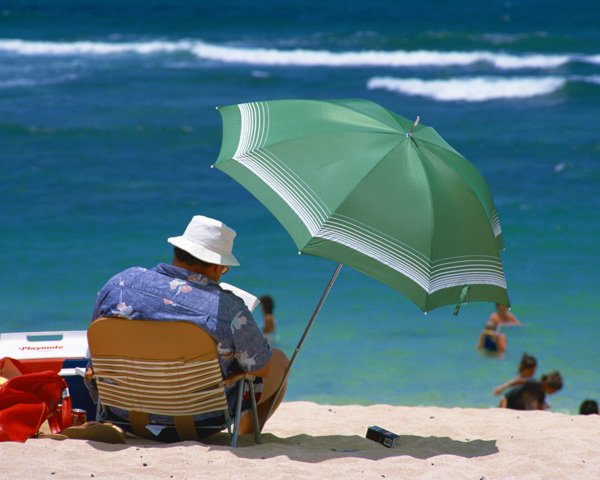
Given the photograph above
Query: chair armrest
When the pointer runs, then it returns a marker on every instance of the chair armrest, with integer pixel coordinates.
(231, 379)
(87, 375)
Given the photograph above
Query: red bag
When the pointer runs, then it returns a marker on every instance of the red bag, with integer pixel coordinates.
(29, 399)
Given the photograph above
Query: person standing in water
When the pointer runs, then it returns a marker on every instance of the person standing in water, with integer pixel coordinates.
(267, 305)
(503, 317)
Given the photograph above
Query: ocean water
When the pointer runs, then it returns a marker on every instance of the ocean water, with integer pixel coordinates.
(108, 129)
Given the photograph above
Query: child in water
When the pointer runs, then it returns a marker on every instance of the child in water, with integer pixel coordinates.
(531, 394)
(491, 339)
(527, 369)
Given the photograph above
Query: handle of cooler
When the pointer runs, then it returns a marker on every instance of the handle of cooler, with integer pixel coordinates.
(27, 345)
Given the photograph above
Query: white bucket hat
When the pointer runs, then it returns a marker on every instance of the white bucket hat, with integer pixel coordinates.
(208, 240)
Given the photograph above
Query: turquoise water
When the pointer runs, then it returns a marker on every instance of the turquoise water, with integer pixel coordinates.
(108, 129)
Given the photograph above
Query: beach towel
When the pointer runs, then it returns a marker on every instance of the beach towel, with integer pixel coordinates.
(28, 399)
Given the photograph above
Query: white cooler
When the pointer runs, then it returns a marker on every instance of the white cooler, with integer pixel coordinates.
(66, 353)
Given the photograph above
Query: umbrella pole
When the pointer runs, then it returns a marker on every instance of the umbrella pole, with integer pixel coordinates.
(289, 367)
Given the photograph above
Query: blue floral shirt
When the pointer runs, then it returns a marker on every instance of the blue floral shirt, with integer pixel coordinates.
(169, 293)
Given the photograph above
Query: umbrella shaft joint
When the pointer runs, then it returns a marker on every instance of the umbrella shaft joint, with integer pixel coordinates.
(410, 134)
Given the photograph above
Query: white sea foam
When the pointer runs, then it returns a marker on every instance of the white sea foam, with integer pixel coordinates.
(18, 82)
(595, 59)
(589, 79)
(297, 57)
(419, 58)
(24, 47)
(34, 82)
(476, 89)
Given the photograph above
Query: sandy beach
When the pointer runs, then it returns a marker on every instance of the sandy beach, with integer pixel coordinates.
(307, 440)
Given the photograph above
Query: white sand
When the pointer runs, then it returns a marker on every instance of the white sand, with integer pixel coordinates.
(306, 440)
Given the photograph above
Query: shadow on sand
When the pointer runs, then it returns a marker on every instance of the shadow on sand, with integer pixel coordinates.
(315, 449)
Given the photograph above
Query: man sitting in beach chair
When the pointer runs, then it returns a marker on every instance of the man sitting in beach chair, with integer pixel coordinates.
(188, 290)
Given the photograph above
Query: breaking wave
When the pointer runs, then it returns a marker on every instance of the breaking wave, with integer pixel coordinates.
(476, 89)
(298, 57)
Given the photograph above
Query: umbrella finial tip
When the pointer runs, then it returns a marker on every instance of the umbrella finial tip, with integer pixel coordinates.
(415, 124)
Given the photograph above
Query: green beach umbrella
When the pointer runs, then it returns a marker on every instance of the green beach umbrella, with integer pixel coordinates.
(356, 183)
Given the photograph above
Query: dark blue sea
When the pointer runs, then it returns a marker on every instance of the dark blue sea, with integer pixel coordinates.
(108, 130)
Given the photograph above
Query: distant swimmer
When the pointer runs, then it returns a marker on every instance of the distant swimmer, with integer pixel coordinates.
(503, 317)
(490, 339)
(267, 306)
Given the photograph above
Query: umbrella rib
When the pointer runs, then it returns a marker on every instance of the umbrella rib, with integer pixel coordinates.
(465, 279)
(253, 135)
(496, 224)
(409, 262)
(272, 171)
(494, 220)
(468, 270)
(291, 189)
(379, 246)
